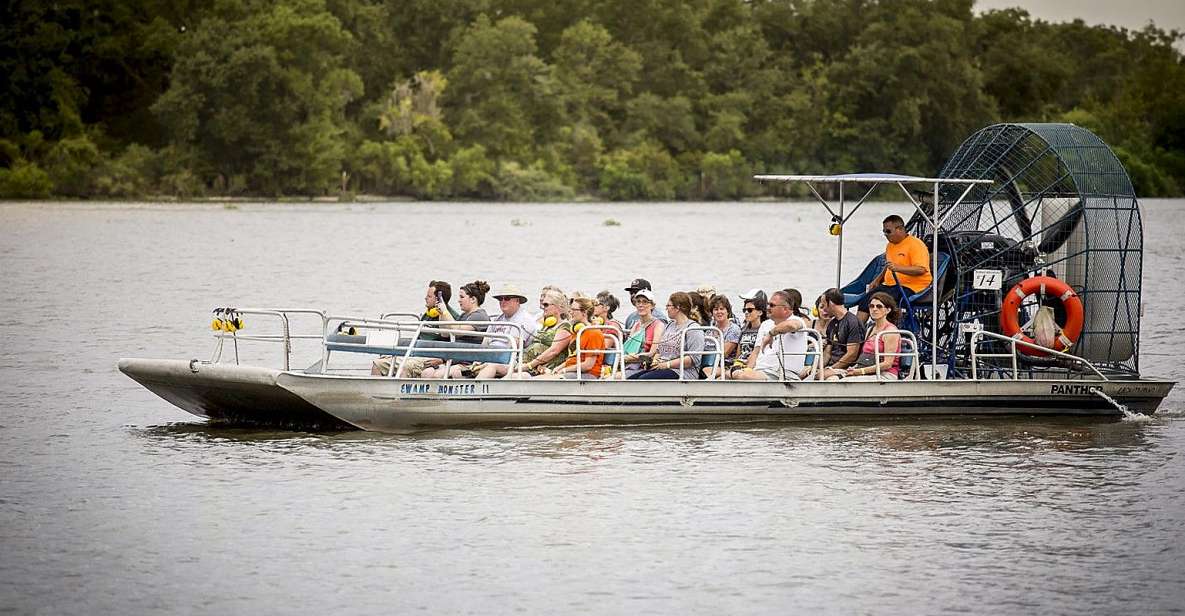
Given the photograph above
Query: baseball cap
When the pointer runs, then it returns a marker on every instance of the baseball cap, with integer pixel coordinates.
(638, 284)
(647, 293)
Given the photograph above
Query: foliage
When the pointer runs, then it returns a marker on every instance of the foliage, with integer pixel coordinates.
(534, 99)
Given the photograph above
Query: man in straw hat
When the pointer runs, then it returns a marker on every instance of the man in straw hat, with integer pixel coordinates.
(510, 301)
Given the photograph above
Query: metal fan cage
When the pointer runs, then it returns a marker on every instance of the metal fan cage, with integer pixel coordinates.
(1062, 205)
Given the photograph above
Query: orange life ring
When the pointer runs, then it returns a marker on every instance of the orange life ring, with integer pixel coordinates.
(1010, 312)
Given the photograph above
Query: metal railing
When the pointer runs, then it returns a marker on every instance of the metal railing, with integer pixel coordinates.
(614, 334)
(978, 338)
(905, 336)
(285, 337)
(812, 367)
(514, 343)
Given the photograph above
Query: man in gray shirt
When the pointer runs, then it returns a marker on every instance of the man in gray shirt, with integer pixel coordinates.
(845, 333)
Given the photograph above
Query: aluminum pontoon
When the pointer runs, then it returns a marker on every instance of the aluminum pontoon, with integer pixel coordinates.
(1014, 202)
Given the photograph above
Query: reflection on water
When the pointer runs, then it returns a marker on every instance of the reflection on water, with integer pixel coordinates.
(105, 508)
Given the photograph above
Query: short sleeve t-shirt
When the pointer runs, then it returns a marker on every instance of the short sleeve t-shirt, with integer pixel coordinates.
(589, 340)
(668, 347)
(842, 332)
(746, 340)
(787, 352)
(476, 315)
(521, 318)
(910, 251)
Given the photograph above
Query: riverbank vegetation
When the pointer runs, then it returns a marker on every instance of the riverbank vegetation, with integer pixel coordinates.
(549, 99)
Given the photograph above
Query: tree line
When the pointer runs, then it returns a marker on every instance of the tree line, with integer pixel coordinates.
(549, 99)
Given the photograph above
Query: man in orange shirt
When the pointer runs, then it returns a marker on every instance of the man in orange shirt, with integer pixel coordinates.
(905, 255)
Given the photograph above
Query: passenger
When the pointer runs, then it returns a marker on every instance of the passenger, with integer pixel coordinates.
(590, 341)
(700, 313)
(724, 320)
(884, 314)
(782, 346)
(841, 347)
(510, 302)
(666, 361)
(906, 255)
(647, 329)
(754, 315)
(822, 318)
(607, 304)
(437, 298)
(549, 349)
(640, 284)
(472, 296)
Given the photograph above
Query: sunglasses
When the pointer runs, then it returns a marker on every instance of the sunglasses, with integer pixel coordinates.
(752, 310)
(877, 306)
(544, 304)
(779, 306)
(889, 231)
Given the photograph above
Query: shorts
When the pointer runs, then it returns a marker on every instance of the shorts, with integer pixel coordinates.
(413, 367)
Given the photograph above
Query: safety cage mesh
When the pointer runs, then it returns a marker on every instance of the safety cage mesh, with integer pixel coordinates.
(1061, 205)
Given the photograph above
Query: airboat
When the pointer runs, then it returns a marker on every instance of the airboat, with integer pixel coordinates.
(1021, 216)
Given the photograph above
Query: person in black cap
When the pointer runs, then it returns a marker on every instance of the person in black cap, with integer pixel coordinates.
(637, 285)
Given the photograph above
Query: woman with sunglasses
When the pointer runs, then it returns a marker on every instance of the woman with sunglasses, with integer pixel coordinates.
(883, 311)
(667, 361)
(550, 345)
(754, 315)
(590, 341)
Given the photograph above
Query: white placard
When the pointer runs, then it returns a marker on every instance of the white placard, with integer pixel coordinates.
(987, 279)
(967, 328)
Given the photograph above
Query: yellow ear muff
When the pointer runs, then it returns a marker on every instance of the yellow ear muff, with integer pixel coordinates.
(433, 313)
(598, 320)
(550, 322)
(216, 324)
(815, 311)
(578, 327)
(835, 229)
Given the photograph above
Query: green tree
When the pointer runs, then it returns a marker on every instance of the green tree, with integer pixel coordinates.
(263, 97)
(502, 96)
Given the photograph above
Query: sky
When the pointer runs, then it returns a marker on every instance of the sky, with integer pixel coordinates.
(1131, 14)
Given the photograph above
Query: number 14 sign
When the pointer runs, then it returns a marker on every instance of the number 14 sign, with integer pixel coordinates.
(987, 279)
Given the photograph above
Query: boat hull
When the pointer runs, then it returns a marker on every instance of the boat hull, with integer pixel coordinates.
(266, 397)
(227, 393)
(401, 405)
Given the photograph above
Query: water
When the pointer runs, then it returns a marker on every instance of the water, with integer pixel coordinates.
(112, 501)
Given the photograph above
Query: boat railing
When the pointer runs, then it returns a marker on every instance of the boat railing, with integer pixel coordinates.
(618, 361)
(510, 333)
(814, 347)
(392, 316)
(813, 367)
(717, 350)
(978, 338)
(912, 353)
(285, 337)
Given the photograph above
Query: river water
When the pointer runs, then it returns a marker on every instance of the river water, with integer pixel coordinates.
(113, 501)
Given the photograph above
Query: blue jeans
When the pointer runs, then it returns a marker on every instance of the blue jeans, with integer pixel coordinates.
(665, 374)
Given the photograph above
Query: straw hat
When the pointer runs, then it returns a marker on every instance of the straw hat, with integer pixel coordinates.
(509, 290)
